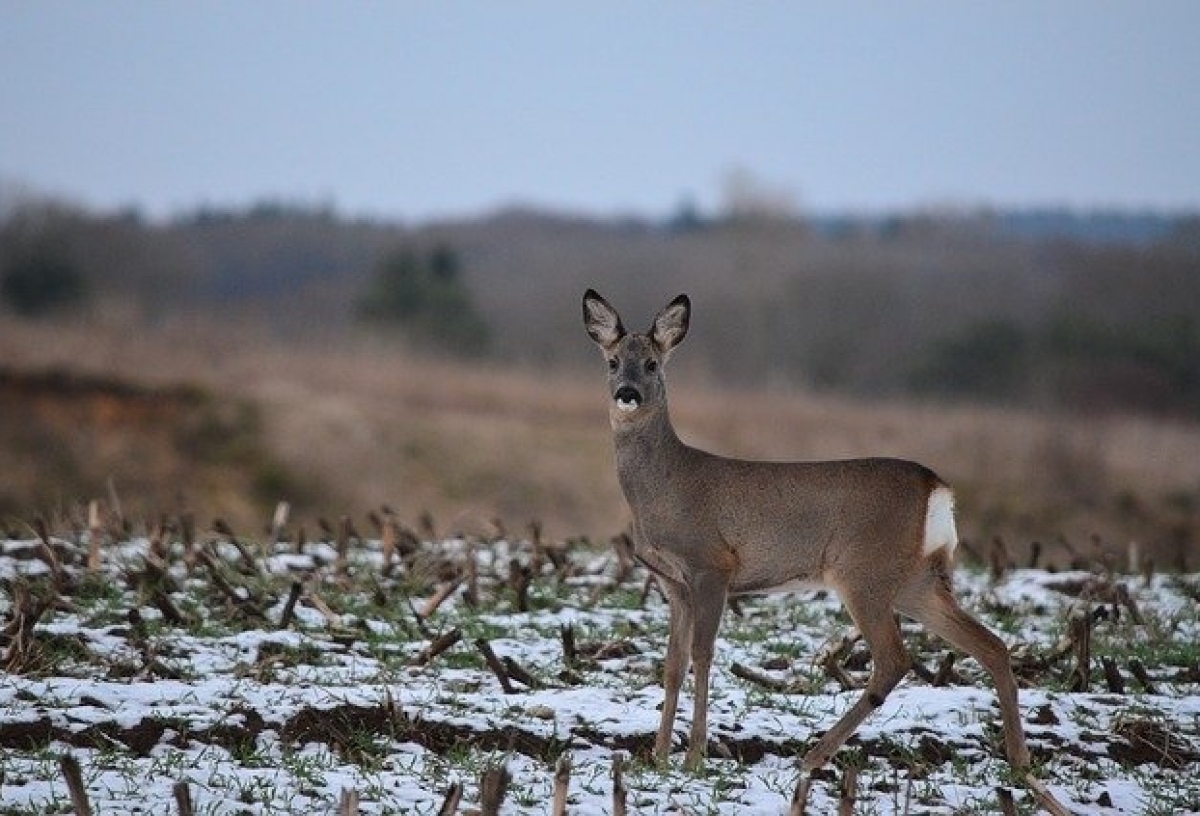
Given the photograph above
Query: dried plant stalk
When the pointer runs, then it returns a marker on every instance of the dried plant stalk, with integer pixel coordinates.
(562, 784)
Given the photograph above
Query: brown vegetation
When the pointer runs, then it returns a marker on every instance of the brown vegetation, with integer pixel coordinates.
(340, 427)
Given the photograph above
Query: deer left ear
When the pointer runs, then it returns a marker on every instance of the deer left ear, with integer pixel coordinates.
(671, 324)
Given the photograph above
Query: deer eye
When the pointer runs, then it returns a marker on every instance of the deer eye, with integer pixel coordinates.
(612, 364)
(651, 366)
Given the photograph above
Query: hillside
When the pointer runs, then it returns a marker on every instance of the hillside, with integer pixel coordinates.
(343, 430)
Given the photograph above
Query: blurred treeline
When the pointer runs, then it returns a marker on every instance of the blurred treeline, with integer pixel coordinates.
(1082, 311)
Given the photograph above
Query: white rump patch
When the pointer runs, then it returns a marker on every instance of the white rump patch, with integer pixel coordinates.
(940, 533)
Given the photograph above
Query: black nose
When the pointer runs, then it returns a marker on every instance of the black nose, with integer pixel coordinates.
(627, 394)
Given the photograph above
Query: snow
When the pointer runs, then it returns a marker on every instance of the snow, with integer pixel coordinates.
(260, 682)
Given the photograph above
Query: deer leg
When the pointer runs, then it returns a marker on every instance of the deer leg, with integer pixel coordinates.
(891, 662)
(940, 613)
(675, 664)
(711, 589)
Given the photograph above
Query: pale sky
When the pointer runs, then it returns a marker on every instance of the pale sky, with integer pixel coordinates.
(424, 110)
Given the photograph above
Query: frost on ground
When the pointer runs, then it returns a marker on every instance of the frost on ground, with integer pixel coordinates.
(270, 678)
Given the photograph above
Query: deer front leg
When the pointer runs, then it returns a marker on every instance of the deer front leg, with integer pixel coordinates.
(675, 664)
(708, 592)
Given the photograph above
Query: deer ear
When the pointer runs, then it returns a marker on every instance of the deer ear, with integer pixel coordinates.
(671, 324)
(601, 320)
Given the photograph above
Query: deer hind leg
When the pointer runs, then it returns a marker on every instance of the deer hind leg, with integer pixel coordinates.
(938, 611)
(877, 623)
(675, 664)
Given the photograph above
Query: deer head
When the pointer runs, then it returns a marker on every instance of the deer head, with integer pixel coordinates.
(635, 359)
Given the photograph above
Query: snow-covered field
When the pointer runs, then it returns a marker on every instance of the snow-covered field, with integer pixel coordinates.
(258, 718)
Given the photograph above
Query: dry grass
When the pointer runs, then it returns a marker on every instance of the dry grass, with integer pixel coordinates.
(374, 425)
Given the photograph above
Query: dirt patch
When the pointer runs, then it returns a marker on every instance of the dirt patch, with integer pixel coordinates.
(1145, 741)
(345, 728)
(355, 731)
(69, 434)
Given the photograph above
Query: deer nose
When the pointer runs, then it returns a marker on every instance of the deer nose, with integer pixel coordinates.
(628, 398)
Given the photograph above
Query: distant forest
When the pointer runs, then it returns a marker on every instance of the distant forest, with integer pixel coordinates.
(1097, 311)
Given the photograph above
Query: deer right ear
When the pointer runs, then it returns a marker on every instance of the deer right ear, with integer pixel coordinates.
(601, 320)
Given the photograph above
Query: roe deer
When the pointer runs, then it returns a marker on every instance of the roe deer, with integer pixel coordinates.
(878, 531)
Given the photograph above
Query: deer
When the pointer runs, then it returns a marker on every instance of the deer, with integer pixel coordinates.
(880, 532)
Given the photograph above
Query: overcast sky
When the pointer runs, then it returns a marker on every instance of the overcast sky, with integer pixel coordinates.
(420, 110)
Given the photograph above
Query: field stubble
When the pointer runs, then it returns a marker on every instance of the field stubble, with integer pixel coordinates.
(273, 675)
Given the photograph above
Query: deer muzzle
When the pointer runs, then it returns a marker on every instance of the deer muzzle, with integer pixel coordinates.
(627, 398)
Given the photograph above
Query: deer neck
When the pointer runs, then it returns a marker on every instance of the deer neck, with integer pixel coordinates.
(648, 452)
